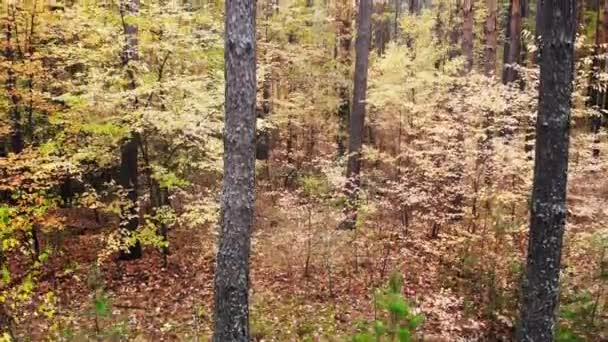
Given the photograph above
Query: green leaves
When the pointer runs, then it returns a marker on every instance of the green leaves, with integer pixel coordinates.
(400, 322)
(101, 305)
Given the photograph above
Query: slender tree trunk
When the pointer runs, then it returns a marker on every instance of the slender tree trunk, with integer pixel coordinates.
(537, 33)
(16, 135)
(491, 38)
(397, 18)
(596, 93)
(414, 6)
(128, 180)
(357, 118)
(512, 43)
(380, 29)
(548, 209)
(263, 136)
(468, 34)
(129, 149)
(455, 28)
(238, 196)
(343, 56)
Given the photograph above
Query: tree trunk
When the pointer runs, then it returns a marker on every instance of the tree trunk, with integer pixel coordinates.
(596, 93)
(512, 43)
(468, 34)
(16, 135)
(128, 180)
(397, 17)
(381, 29)
(537, 33)
(343, 57)
(491, 38)
(357, 118)
(129, 149)
(414, 7)
(548, 210)
(262, 151)
(238, 198)
(455, 28)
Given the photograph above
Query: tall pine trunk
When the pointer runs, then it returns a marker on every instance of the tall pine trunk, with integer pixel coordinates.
(129, 148)
(357, 118)
(491, 38)
(548, 207)
(238, 195)
(512, 43)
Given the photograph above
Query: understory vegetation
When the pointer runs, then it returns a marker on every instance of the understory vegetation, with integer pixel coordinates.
(111, 139)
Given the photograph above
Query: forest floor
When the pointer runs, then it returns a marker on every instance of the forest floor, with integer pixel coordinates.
(310, 282)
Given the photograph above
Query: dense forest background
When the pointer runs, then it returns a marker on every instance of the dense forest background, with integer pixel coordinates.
(111, 166)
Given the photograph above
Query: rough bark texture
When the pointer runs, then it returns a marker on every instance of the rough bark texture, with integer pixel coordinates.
(129, 153)
(512, 42)
(232, 269)
(357, 118)
(548, 210)
(468, 34)
(491, 38)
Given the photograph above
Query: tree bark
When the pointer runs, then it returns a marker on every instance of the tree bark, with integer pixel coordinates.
(512, 43)
(238, 195)
(357, 118)
(468, 34)
(491, 38)
(548, 209)
(129, 149)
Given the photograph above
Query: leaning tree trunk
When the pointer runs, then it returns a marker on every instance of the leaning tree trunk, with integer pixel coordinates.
(468, 34)
(491, 38)
(238, 196)
(512, 43)
(129, 148)
(357, 118)
(548, 207)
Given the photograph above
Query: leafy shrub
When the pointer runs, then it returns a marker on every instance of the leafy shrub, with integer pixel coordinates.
(400, 320)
